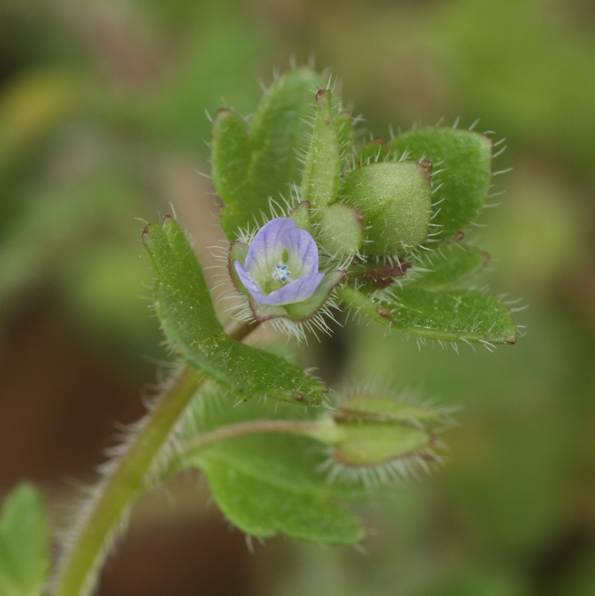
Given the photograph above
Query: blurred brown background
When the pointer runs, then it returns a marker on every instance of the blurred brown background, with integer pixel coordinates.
(102, 120)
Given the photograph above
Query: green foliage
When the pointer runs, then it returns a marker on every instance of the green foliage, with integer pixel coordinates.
(231, 157)
(448, 266)
(322, 166)
(269, 484)
(444, 315)
(266, 154)
(374, 442)
(461, 161)
(451, 315)
(395, 201)
(340, 229)
(24, 543)
(263, 509)
(183, 304)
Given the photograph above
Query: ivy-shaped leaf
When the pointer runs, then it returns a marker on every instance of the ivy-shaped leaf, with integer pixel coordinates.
(258, 161)
(268, 484)
(461, 172)
(262, 508)
(185, 310)
(24, 544)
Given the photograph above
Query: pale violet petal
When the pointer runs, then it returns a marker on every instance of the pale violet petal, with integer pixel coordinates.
(248, 282)
(303, 250)
(295, 291)
(268, 244)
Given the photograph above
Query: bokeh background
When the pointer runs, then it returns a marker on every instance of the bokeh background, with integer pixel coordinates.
(103, 120)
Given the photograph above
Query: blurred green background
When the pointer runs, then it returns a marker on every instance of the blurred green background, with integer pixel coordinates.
(103, 119)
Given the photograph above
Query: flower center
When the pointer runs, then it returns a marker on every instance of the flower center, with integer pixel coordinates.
(281, 272)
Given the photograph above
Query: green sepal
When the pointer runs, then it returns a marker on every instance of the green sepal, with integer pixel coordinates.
(340, 230)
(300, 311)
(184, 308)
(462, 164)
(277, 135)
(237, 252)
(322, 165)
(301, 216)
(24, 543)
(384, 408)
(395, 200)
(370, 443)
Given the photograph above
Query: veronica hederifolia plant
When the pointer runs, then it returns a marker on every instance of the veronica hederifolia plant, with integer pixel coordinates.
(317, 222)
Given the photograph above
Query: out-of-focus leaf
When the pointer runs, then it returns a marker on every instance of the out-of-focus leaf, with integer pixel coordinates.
(184, 306)
(29, 109)
(262, 508)
(24, 545)
(267, 484)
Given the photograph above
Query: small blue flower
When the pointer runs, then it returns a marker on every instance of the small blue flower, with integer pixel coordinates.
(281, 266)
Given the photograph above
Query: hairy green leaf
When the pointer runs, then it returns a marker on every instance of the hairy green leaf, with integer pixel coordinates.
(267, 154)
(262, 508)
(184, 307)
(266, 483)
(462, 168)
(24, 544)
(453, 315)
(447, 267)
(231, 156)
(322, 166)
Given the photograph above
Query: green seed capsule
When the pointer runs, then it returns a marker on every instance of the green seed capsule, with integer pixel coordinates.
(395, 199)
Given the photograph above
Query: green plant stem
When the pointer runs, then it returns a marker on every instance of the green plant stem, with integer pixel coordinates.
(104, 513)
(251, 427)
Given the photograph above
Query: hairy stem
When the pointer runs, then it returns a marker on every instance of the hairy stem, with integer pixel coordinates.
(310, 428)
(125, 480)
